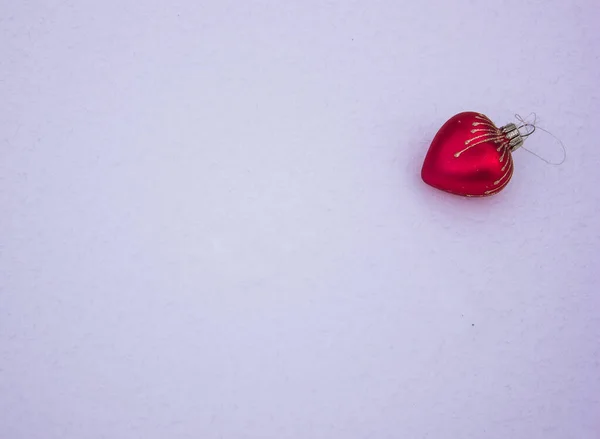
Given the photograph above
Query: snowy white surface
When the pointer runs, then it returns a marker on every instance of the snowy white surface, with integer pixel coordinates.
(213, 226)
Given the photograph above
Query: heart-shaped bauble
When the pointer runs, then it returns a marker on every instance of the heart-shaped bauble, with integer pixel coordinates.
(470, 156)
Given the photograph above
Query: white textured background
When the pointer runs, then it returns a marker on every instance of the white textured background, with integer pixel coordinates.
(213, 226)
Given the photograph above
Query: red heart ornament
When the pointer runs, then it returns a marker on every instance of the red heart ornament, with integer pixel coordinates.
(470, 156)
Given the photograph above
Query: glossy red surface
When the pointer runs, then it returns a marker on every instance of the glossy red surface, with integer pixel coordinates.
(469, 156)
